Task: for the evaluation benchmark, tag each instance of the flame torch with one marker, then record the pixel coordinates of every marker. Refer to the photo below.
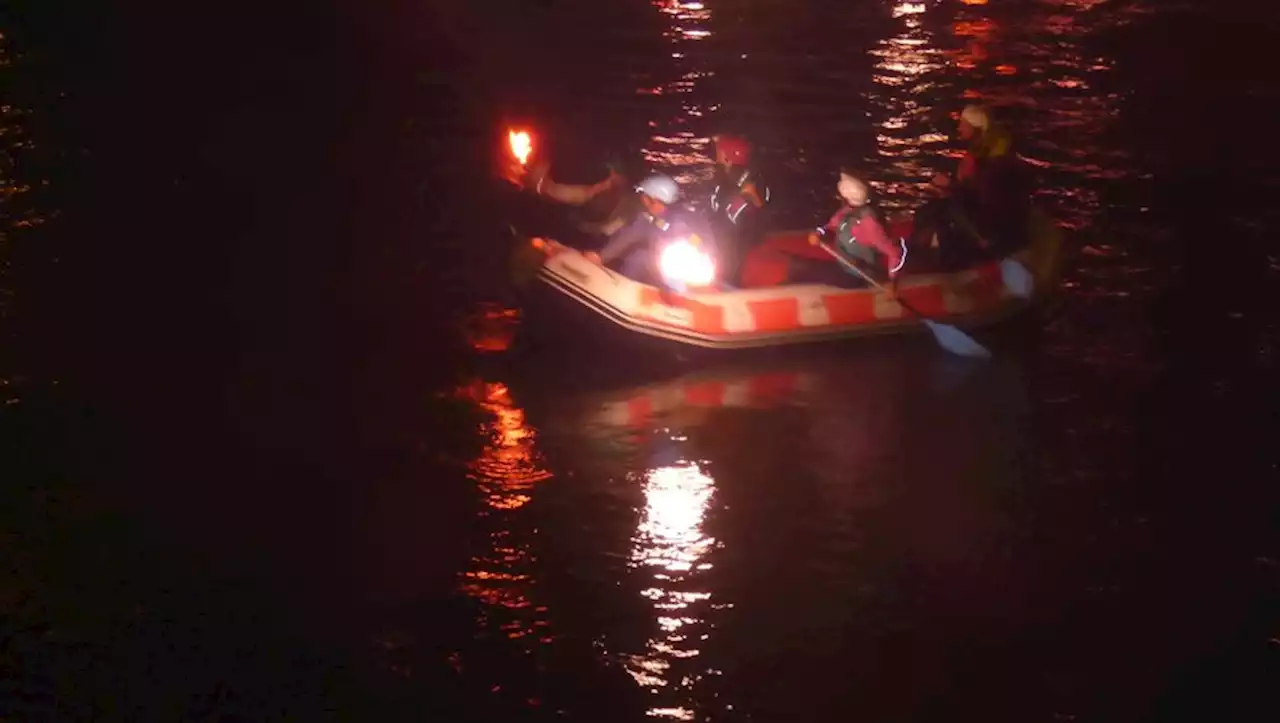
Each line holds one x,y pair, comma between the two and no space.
521,144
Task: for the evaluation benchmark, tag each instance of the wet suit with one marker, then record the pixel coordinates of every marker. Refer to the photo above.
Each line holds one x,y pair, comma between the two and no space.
737,218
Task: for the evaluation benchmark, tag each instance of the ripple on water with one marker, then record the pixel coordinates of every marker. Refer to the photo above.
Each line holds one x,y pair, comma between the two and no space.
807,513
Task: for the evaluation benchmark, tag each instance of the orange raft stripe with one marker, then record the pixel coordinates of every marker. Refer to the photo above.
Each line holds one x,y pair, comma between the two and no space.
987,290
850,308
775,314
704,318
928,300
984,292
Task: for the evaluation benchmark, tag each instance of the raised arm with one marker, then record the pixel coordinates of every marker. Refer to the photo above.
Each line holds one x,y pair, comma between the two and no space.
569,194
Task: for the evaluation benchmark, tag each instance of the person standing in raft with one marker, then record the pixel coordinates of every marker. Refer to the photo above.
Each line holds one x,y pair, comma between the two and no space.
635,243
859,233
984,206
737,203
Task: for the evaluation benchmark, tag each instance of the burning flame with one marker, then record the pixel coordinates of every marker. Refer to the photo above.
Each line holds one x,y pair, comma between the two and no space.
521,145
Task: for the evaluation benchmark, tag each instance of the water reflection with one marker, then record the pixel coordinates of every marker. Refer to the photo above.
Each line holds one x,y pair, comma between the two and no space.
902,97
838,477
20,213
491,328
1045,91
506,472
1055,89
681,140
671,546
691,399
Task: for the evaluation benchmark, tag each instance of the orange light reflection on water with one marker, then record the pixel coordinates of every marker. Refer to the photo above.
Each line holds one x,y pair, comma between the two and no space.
506,472
492,328
508,468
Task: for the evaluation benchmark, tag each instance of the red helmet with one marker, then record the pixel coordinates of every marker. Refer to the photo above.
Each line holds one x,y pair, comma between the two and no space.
733,149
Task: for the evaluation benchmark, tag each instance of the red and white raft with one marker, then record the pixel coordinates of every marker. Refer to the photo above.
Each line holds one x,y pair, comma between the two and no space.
795,313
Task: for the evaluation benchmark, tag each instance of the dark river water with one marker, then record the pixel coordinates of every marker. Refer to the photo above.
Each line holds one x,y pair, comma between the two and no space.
268,453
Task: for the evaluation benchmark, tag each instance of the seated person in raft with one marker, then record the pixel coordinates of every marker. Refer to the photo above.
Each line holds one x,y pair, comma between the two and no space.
984,206
639,241
858,232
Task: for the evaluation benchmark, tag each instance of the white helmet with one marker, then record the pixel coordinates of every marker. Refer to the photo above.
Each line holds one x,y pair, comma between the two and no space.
661,188
975,116
852,189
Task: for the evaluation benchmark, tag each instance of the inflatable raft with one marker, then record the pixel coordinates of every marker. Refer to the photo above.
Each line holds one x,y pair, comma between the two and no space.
790,313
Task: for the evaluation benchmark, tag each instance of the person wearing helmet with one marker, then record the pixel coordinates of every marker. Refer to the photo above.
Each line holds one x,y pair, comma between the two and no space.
858,230
983,208
634,242
739,186
736,203
987,141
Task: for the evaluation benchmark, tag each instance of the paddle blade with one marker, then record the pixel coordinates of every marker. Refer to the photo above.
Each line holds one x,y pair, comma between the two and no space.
1017,279
957,342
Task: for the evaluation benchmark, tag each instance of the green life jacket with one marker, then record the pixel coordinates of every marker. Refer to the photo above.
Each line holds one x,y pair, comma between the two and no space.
849,243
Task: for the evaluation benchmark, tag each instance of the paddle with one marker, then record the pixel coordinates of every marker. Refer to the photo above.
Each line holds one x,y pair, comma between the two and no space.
1018,280
948,337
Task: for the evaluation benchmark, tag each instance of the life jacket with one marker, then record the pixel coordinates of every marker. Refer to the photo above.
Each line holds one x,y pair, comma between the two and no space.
998,192
992,147
849,243
992,143
850,218
729,199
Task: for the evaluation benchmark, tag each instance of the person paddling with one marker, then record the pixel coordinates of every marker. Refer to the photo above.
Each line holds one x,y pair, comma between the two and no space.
860,235
983,206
